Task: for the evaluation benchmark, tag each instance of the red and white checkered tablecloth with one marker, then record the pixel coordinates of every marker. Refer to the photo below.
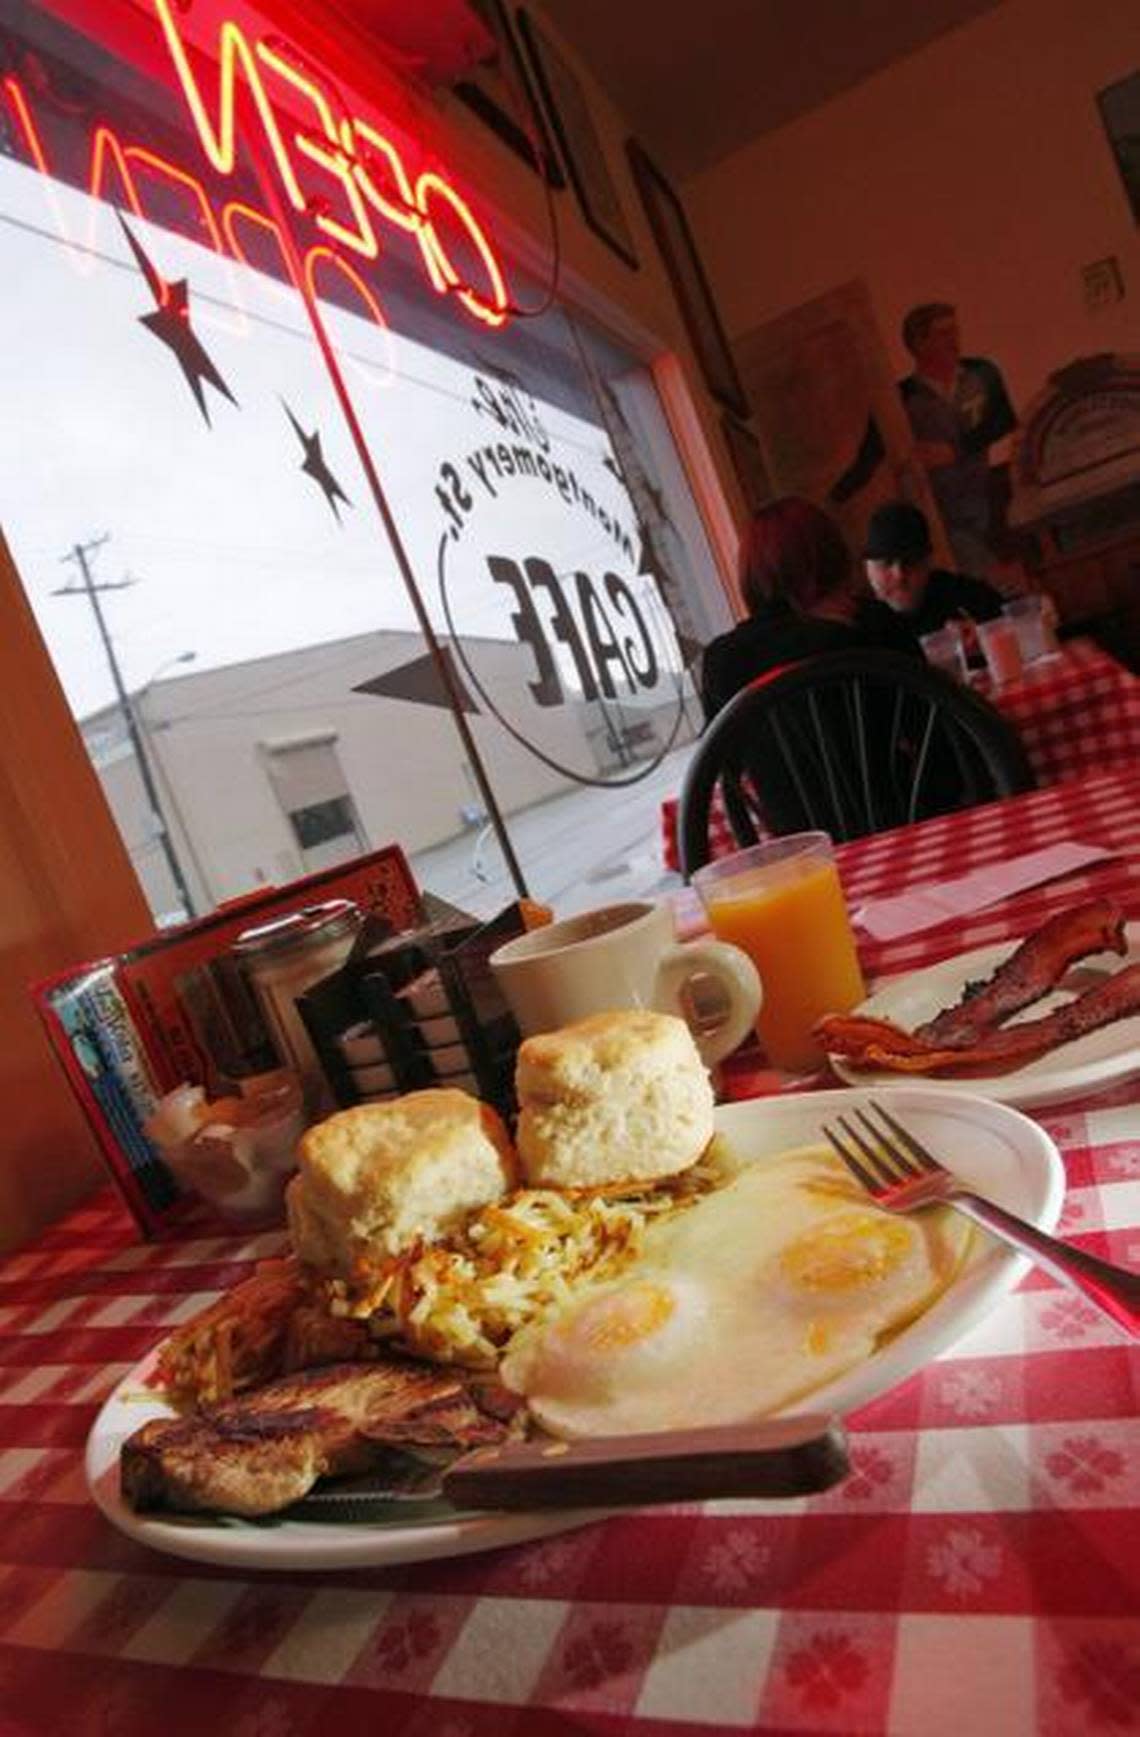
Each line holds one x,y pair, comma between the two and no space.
1076,713
979,1570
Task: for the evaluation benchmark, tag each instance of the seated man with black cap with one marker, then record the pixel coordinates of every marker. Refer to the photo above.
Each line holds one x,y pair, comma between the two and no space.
900,568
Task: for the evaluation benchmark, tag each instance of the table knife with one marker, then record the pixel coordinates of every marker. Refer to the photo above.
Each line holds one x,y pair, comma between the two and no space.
787,1456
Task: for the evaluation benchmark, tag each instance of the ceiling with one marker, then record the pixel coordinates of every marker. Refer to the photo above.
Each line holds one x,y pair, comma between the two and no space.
698,80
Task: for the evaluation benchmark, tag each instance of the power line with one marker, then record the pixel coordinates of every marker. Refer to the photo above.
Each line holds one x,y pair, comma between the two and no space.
80,554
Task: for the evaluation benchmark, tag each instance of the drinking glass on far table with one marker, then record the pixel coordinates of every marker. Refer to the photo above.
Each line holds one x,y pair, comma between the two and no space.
1033,622
1002,647
943,650
781,902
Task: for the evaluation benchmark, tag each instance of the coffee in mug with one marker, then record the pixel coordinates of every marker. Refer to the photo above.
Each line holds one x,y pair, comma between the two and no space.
625,956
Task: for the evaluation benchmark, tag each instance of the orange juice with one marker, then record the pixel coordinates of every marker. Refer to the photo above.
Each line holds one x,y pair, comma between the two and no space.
790,918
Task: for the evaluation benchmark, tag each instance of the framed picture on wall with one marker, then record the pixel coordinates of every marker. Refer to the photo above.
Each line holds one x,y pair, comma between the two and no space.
690,285
747,457
1119,106
500,92
578,140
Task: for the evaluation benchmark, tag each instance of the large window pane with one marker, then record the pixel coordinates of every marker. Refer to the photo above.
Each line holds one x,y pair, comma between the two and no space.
248,469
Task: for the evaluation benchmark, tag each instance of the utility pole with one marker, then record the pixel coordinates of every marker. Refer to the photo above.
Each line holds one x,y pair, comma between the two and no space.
80,554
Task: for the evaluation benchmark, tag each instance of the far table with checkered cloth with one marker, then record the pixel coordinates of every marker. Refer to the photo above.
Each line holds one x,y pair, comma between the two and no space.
978,1572
1076,712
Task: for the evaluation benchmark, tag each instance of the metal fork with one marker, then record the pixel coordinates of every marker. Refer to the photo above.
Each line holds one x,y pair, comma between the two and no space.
900,1175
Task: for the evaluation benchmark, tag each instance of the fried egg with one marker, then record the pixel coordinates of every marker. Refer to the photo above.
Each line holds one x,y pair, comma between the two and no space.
754,1296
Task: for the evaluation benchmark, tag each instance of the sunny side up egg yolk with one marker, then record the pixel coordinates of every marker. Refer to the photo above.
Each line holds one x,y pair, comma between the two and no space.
751,1298
613,1351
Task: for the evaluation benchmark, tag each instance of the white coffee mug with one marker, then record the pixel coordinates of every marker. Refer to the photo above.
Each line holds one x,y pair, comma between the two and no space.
625,956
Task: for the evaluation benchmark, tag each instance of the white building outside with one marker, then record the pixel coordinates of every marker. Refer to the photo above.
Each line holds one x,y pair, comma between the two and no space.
270,769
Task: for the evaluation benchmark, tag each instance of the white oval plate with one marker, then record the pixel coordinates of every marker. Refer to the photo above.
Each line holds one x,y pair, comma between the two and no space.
1101,1059
1002,1153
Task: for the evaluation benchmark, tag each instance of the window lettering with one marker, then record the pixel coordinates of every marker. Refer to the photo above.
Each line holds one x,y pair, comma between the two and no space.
625,604
542,576
577,618
547,690
463,499
604,647
486,402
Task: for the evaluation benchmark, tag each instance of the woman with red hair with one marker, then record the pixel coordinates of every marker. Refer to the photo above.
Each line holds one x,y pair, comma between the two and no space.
804,596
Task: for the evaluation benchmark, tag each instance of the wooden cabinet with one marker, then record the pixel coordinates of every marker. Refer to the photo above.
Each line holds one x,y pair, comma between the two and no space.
1097,591
1075,496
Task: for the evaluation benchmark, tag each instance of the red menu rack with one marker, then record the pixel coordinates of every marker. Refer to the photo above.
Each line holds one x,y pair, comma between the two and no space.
125,1032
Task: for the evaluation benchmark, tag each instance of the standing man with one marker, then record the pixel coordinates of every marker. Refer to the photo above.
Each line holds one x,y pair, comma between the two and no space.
958,407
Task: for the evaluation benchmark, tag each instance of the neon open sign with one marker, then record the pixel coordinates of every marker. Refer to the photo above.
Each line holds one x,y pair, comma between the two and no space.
341,171
352,155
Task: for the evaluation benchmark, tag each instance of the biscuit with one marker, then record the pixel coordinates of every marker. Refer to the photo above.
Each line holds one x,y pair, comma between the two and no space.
374,1179
619,1097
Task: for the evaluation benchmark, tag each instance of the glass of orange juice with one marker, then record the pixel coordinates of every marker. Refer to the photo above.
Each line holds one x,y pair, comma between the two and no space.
781,902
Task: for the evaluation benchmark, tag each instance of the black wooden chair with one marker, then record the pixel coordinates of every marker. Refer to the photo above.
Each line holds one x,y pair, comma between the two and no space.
850,743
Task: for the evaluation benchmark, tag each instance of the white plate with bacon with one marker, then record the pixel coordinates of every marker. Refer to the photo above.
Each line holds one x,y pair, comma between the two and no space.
1029,1023
783,1263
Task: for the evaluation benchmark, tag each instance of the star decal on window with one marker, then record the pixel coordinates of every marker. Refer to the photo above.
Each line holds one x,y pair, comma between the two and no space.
170,324
315,465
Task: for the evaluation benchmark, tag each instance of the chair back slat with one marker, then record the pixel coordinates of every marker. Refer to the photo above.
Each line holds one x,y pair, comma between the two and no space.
848,743
827,766
858,717
921,761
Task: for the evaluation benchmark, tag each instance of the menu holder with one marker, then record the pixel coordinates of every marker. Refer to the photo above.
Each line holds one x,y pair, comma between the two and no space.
481,1009
332,1008
423,1009
358,1026
175,1010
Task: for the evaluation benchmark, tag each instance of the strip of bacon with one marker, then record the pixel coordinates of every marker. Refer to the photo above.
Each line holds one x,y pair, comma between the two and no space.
849,1034
1029,973
996,1052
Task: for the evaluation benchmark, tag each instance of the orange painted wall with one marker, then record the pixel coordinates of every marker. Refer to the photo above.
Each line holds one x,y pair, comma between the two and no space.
67,893
975,171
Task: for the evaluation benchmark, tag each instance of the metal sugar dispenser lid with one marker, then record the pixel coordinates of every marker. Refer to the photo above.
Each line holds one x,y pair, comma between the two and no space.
287,956
334,919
